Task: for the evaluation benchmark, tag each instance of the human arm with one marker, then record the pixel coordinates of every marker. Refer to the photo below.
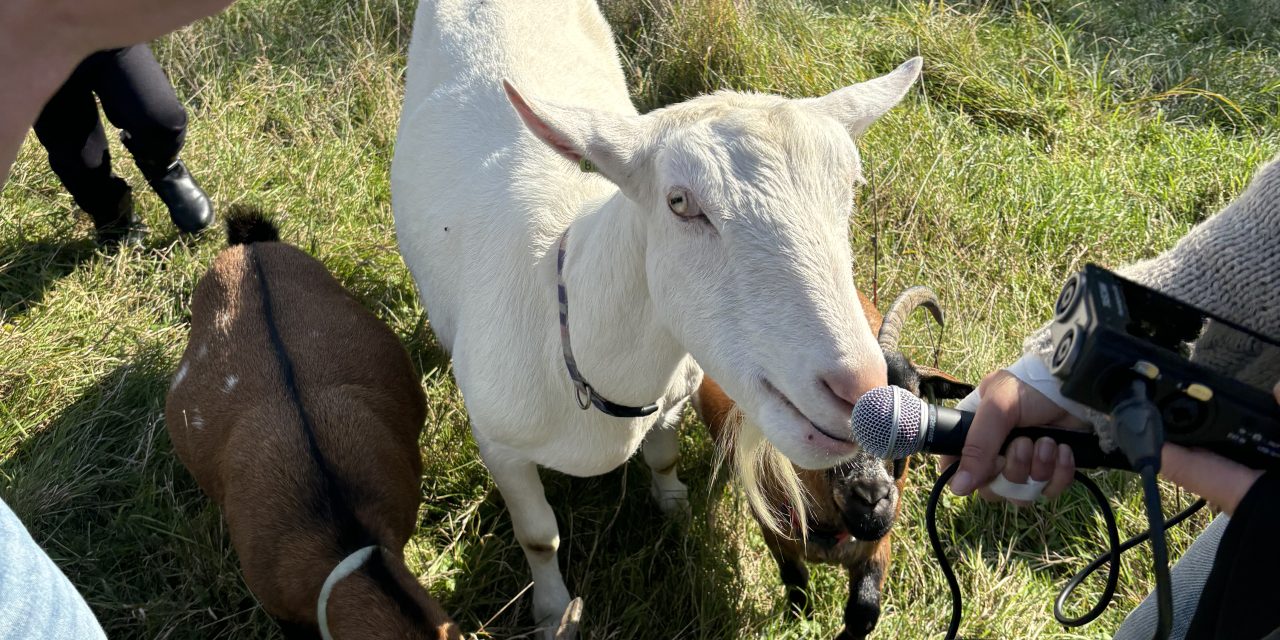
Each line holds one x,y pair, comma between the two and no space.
32,67
41,42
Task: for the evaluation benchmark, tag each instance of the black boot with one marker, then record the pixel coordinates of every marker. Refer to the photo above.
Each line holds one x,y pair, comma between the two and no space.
114,219
188,205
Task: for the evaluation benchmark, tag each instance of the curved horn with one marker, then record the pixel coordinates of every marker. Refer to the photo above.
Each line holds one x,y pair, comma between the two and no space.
901,309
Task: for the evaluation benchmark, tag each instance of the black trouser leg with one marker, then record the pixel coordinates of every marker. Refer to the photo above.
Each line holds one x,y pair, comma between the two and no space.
138,98
69,129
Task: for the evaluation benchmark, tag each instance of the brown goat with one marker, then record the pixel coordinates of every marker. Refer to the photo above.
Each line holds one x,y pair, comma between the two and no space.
298,412
854,504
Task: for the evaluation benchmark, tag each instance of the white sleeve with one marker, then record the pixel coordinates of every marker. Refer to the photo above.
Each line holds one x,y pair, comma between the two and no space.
1030,369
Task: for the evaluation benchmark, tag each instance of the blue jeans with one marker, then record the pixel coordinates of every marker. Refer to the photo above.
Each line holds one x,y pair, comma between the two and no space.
36,599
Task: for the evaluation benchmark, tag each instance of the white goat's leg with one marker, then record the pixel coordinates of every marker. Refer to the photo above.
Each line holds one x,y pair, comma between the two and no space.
661,452
535,527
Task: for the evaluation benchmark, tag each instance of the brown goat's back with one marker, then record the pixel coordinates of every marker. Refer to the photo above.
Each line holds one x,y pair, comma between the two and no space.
287,381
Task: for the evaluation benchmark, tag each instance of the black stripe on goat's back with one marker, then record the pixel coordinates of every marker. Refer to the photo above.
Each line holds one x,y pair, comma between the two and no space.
330,500
247,224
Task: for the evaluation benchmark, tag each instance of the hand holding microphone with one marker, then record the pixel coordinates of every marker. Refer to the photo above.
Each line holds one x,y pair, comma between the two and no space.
1006,404
891,422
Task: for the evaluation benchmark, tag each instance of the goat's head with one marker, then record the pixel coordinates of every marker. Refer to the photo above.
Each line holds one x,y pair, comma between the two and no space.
924,381
863,492
745,202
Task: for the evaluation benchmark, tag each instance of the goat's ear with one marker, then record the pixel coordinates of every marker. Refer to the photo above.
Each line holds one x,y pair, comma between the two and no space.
597,141
857,106
943,386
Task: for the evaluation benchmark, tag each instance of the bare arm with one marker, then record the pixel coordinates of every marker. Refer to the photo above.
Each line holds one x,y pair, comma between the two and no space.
30,72
41,41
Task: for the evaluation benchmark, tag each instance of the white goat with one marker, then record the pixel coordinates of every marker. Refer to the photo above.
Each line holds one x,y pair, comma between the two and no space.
715,230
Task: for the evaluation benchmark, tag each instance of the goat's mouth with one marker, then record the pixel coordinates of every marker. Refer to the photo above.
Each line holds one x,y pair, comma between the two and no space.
829,441
871,524
868,527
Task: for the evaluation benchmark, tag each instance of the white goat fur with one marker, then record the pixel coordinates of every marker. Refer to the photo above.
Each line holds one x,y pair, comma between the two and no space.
760,292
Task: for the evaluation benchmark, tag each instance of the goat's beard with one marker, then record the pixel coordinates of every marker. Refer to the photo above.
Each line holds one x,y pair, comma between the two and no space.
764,475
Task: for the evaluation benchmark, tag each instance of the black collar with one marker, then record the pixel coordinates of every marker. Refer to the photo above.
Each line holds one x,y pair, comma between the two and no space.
586,395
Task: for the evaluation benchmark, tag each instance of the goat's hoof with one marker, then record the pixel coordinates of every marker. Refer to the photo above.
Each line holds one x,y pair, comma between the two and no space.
674,503
859,620
845,634
568,629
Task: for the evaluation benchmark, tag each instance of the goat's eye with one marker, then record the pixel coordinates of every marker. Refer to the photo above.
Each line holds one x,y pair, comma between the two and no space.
681,203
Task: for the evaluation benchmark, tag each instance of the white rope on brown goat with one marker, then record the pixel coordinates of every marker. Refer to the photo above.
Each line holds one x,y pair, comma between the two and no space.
343,569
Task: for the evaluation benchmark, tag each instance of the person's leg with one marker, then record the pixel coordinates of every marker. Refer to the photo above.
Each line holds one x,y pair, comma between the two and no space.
137,97
36,599
1187,577
69,129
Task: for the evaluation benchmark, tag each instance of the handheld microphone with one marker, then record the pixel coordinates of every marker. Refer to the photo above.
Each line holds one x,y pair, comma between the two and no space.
892,423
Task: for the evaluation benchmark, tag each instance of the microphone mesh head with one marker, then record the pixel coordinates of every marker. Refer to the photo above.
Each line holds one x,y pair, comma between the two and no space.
886,422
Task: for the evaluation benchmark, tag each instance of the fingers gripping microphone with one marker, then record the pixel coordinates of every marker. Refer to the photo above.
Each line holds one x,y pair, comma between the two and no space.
892,423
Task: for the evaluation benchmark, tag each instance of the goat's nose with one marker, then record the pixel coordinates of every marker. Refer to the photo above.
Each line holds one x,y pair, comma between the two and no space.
846,385
871,494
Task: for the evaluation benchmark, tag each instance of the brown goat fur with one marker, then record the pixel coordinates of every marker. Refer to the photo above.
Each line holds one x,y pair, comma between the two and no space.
298,412
828,538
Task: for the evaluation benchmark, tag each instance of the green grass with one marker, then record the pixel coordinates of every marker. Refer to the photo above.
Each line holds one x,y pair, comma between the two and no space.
1045,134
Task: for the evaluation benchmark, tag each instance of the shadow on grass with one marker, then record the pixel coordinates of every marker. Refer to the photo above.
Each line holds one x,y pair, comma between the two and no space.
29,269
640,573
1057,538
100,490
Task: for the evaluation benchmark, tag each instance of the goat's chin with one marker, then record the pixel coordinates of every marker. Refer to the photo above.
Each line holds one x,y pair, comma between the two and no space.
869,526
870,530
798,439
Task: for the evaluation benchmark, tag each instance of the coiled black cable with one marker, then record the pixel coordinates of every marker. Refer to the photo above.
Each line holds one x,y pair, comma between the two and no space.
1100,560
1111,556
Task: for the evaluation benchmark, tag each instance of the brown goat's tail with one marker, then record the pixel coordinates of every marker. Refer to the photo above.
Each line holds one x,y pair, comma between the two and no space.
248,224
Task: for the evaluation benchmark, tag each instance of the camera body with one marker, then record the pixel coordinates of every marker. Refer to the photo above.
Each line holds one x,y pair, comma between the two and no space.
1109,331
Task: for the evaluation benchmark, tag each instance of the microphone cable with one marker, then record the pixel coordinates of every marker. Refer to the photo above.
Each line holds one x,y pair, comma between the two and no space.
1082,575
1157,525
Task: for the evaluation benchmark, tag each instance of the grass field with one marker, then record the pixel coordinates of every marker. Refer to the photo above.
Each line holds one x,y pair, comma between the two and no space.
1045,133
